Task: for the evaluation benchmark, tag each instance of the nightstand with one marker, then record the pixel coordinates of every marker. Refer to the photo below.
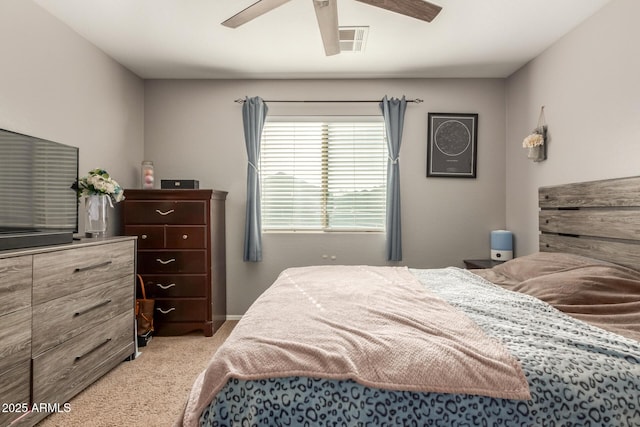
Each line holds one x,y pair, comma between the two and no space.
480,263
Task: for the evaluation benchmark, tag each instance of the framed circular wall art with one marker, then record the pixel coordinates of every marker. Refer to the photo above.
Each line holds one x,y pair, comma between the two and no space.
452,145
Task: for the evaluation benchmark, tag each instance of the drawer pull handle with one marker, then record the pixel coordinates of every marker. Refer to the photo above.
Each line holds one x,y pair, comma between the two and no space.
105,342
91,267
165,311
161,286
144,237
163,262
93,307
185,237
165,213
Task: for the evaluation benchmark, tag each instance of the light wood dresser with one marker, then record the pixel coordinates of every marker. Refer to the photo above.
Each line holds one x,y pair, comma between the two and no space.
181,255
66,319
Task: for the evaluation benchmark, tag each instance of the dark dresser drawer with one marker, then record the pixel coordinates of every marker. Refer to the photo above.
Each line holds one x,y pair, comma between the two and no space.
149,236
177,285
165,212
186,261
169,236
183,310
186,237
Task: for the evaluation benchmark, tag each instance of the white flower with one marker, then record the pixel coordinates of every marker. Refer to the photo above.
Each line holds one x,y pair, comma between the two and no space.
533,140
98,182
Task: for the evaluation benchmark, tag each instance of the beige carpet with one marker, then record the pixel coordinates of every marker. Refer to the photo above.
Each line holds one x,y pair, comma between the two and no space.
148,391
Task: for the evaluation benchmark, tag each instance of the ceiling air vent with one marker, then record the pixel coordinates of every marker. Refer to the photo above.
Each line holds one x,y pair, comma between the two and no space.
353,39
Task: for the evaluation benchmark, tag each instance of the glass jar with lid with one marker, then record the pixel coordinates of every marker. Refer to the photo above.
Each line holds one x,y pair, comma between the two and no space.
146,175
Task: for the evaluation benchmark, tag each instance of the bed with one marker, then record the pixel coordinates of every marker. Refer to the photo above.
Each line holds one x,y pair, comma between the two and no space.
551,338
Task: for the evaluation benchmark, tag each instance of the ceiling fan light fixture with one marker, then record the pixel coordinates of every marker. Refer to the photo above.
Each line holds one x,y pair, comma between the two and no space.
353,39
327,16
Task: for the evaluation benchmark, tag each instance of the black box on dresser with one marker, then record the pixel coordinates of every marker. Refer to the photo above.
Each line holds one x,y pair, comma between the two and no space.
179,184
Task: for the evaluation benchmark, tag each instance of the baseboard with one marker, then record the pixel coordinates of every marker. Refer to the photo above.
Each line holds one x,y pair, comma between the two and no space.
234,316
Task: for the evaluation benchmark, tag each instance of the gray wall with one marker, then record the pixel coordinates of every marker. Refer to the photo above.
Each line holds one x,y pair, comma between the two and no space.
55,85
588,83
193,129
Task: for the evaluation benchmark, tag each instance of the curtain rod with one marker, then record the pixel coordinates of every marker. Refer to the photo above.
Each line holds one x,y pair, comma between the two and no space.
417,101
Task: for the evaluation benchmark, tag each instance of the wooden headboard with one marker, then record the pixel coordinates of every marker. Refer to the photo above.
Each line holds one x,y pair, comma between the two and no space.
598,219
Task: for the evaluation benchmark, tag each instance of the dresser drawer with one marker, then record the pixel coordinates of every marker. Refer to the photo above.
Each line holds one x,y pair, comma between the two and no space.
149,236
171,286
168,236
14,389
60,273
187,310
68,368
165,212
187,261
15,283
186,237
58,320
15,338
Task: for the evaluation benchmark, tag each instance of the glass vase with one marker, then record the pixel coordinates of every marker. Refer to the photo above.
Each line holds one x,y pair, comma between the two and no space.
536,153
95,222
146,175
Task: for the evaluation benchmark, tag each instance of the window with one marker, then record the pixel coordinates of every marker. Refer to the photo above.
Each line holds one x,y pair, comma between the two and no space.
327,175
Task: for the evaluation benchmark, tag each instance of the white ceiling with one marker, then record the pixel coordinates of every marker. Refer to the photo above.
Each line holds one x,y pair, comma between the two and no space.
184,38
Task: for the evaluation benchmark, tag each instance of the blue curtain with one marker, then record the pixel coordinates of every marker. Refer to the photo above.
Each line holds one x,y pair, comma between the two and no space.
393,111
254,112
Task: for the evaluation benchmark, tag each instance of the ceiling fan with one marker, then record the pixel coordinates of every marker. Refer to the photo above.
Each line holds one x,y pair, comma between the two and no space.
327,14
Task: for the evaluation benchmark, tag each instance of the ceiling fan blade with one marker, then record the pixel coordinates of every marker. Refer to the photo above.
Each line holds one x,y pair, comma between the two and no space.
327,14
418,9
258,8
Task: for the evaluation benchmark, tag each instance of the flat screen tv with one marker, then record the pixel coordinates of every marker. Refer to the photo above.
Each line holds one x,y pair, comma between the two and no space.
38,205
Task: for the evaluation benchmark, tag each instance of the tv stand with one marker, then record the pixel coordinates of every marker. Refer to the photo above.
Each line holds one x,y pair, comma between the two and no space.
66,319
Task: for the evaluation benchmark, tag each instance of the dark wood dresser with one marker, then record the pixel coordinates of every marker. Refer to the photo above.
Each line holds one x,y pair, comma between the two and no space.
181,256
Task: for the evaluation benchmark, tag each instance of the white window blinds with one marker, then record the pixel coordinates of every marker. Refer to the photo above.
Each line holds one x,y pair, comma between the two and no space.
323,175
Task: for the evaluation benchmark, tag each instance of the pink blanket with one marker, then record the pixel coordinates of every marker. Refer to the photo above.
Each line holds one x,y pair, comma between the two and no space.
378,326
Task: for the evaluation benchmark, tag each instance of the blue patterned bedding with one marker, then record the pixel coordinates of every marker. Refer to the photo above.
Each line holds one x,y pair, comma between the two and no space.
578,375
